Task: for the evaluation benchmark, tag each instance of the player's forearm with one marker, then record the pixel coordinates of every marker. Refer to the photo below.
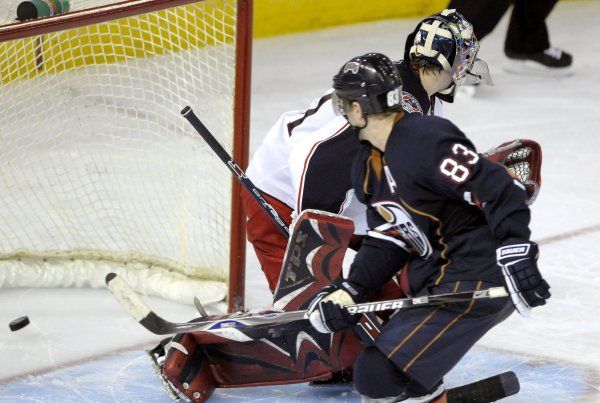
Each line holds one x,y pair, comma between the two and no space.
376,262
503,202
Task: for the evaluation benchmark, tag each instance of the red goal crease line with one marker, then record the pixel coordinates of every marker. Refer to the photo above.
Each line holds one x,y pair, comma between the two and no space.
569,234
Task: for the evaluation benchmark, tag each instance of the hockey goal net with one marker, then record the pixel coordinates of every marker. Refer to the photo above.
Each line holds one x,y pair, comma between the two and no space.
98,170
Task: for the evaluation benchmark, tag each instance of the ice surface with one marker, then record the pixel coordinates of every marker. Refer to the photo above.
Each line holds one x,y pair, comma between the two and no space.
555,353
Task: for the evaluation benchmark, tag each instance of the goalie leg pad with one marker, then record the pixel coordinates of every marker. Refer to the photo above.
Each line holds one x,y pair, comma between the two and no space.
298,355
266,238
313,257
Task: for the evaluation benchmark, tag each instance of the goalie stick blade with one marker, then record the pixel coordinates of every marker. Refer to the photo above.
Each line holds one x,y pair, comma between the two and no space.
127,297
486,390
132,303
227,326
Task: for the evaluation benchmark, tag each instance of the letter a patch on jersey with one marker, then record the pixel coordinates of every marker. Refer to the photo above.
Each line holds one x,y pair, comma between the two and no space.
390,179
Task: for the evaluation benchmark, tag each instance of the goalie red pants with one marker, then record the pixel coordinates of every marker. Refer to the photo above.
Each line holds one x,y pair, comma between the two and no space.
268,241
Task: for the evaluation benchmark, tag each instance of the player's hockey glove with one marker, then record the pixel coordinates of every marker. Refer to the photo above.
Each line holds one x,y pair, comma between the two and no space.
525,284
326,311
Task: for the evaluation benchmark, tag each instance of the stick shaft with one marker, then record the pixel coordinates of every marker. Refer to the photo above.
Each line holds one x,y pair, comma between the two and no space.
394,304
224,156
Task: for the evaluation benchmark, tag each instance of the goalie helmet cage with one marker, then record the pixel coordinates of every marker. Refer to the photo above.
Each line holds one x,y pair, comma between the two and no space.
98,170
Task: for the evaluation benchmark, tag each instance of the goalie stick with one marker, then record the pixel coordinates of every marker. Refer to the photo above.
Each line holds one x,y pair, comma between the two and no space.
212,142
225,324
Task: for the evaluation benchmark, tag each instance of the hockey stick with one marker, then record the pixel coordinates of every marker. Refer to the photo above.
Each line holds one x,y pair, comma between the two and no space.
485,390
222,324
212,142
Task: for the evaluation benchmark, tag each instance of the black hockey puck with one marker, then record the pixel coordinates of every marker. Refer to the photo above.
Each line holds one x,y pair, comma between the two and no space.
19,323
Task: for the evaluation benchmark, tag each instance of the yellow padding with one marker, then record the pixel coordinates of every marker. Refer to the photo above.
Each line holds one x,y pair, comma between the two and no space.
276,17
196,25
142,36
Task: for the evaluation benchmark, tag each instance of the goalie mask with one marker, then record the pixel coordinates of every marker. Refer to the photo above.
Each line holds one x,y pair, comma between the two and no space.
372,80
447,39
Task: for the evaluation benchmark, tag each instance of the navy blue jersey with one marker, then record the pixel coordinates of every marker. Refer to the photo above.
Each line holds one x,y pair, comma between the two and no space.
421,197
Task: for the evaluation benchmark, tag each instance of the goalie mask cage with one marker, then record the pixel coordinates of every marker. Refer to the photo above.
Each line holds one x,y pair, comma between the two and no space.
98,170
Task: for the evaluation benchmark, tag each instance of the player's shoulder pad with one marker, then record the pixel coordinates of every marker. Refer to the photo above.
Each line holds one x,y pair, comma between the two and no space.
420,141
438,127
423,134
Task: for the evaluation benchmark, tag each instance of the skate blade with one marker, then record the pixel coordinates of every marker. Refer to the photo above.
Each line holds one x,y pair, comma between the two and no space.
173,393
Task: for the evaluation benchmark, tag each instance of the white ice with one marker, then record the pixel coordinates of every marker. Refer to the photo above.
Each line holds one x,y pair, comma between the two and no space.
555,352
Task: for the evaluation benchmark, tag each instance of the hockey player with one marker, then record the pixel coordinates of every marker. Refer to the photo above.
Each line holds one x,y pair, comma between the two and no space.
419,177
304,161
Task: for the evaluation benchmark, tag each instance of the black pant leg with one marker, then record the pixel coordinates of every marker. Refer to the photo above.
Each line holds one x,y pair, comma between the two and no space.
483,14
527,31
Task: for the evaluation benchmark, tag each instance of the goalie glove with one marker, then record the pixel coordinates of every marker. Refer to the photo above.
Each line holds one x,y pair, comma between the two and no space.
527,288
326,311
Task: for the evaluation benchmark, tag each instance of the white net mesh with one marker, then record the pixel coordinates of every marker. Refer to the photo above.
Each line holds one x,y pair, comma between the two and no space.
98,170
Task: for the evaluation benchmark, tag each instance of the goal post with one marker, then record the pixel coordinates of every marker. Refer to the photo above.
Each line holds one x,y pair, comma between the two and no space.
99,172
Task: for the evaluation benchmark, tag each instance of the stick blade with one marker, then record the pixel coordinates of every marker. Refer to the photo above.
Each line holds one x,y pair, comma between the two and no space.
510,383
127,297
486,390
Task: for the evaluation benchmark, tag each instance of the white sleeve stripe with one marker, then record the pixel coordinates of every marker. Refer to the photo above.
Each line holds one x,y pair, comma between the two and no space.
309,112
379,235
519,184
468,196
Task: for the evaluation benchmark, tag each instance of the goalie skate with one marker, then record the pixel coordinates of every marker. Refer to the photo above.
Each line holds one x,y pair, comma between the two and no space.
158,357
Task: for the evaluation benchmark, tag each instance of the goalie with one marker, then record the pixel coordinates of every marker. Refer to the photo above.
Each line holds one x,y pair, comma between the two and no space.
304,164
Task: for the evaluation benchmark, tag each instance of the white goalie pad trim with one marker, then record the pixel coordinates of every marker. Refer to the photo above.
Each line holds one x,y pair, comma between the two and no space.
309,259
275,346
176,346
347,262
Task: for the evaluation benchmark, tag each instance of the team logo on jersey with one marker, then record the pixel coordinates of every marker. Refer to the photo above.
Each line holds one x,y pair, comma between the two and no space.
410,103
401,221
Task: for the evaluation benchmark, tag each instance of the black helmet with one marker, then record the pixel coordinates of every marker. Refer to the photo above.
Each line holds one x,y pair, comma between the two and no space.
372,80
